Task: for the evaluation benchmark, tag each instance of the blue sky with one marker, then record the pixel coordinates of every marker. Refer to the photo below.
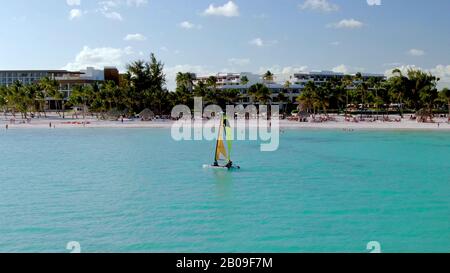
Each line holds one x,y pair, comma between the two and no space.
207,36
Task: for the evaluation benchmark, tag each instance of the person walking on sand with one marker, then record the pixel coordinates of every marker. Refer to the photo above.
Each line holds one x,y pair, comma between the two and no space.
7,127
50,125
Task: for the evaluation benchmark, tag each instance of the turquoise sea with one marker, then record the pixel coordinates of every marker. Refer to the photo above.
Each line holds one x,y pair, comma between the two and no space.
137,190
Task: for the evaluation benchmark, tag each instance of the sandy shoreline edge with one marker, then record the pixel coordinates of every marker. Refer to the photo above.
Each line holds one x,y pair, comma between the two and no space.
283,124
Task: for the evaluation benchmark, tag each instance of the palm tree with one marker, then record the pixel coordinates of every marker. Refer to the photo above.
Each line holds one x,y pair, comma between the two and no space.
324,94
260,93
31,92
51,89
346,84
185,79
362,91
244,80
268,77
212,96
229,96
138,75
82,96
306,101
211,82
200,89
422,87
15,97
3,99
445,93
283,100
145,78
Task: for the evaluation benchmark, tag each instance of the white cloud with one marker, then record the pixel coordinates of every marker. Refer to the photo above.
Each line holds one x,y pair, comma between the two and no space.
186,25
105,5
100,57
189,25
73,2
257,42
113,15
238,61
108,9
347,23
336,43
319,5
261,43
137,3
230,9
442,72
75,13
340,69
118,3
374,2
416,52
135,37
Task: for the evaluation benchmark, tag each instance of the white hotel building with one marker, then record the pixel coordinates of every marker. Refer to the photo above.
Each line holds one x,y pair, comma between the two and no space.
297,82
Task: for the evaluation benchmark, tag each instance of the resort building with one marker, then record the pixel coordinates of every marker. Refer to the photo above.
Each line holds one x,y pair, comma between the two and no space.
322,77
66,79
291,88
230,79
236,81
8,77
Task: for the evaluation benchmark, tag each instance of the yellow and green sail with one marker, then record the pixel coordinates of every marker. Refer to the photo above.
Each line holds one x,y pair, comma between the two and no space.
225,135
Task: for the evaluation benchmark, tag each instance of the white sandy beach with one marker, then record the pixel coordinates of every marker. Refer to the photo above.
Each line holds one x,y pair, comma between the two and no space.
56,122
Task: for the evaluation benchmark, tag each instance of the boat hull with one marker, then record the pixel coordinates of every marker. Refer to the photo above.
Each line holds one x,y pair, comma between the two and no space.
220,167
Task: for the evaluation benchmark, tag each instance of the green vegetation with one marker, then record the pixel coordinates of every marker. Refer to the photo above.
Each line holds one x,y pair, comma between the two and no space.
143,87
415,92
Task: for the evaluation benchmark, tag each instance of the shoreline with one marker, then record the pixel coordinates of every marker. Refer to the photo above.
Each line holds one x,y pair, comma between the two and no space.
404,125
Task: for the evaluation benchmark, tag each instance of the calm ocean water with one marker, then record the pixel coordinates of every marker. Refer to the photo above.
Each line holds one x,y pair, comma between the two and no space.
136,190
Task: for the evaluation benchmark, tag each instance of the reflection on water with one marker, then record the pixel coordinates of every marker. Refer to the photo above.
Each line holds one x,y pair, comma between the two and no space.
223,180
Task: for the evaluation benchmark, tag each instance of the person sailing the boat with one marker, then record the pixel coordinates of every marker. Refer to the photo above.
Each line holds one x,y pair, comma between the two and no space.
229,164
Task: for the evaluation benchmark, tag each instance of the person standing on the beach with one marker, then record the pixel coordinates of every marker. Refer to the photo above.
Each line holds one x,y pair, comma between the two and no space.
7,127
50,125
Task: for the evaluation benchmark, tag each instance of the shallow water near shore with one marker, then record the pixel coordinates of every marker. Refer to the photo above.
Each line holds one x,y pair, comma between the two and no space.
137,190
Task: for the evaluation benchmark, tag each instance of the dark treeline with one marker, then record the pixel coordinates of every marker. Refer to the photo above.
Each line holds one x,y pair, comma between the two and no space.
143,86
415,92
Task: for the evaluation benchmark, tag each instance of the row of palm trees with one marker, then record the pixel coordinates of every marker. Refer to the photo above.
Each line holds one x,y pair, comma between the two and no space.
143,86
416,91
31,98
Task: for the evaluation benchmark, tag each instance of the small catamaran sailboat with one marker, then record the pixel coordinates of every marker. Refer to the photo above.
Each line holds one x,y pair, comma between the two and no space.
222,155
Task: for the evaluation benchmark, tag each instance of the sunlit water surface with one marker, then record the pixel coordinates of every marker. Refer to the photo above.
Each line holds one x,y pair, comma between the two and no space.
137,190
